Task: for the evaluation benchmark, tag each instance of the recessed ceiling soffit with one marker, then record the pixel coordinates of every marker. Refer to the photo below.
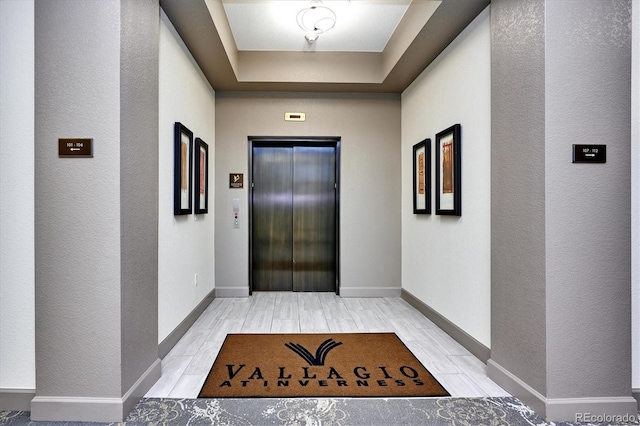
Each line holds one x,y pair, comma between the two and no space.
235,55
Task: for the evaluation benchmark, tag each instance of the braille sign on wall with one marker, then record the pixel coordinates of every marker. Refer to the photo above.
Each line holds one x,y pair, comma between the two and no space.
589,153
75,147
235,180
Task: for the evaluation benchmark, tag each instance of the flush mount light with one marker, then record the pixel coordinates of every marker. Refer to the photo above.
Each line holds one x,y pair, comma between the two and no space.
316,19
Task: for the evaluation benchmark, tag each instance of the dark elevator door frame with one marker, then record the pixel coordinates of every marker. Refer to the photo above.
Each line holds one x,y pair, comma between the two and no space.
290,142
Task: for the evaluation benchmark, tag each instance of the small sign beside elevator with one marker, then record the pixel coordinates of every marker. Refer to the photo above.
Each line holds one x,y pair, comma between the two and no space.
236,180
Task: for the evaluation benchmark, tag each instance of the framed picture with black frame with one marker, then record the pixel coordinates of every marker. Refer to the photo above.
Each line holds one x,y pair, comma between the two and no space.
183,157
201,204
448,172
422,177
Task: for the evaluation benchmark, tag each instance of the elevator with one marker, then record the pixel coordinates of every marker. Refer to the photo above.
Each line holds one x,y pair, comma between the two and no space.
294,222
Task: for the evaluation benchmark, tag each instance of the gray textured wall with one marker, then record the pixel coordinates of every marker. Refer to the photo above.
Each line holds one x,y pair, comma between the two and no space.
588,207
96,218
140,31
518,306
561,272
77,201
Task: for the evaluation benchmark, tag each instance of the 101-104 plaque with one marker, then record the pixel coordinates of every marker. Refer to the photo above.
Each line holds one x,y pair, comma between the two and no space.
75,147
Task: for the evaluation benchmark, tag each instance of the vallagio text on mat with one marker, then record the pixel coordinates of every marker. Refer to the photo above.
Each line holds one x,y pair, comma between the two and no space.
323,376
322,365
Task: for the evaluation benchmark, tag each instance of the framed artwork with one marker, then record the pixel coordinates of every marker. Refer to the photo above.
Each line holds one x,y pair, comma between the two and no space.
422,177
201,177
182,193
448,173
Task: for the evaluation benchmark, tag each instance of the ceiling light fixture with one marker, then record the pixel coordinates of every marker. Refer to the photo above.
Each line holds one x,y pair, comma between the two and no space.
315,20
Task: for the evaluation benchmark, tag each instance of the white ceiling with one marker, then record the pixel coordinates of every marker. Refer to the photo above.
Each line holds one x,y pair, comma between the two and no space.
270,25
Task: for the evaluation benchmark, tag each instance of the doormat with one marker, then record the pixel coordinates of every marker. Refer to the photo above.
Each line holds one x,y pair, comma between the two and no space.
318,365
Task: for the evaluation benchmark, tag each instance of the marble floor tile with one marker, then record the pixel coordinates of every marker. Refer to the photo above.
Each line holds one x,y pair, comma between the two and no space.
461,385
172,369
431,357
368,321
285,326
201,362
340,325
224,327
286,307
445,342
188,386
190,342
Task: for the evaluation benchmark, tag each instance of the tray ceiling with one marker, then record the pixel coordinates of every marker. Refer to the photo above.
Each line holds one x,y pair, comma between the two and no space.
375,45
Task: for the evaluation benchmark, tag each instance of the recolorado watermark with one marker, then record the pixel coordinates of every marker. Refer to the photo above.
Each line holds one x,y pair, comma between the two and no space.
606,418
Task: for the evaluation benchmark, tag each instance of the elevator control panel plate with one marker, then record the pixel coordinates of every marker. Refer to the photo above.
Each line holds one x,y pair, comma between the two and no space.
236,211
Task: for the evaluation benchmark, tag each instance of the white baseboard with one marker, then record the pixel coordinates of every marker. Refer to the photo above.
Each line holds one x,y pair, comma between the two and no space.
172,339
61,408
16,399
609,409
459,335
86,409
370,291
141,387
516,387
612,410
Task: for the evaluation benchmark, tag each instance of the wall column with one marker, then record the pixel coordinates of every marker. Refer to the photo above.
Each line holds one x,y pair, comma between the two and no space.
96,252
561,274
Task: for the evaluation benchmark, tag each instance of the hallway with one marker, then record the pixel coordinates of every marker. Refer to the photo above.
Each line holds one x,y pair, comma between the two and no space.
184,369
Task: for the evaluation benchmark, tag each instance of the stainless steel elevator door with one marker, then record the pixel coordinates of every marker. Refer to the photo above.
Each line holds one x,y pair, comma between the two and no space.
272,219
294,218
314,218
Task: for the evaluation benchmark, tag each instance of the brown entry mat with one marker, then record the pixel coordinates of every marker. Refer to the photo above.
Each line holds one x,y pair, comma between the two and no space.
317,365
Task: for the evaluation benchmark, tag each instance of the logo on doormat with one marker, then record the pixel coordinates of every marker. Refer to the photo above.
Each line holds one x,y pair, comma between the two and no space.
321,352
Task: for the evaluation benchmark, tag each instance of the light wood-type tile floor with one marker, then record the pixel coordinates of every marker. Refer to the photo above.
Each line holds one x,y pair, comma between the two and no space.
185,368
